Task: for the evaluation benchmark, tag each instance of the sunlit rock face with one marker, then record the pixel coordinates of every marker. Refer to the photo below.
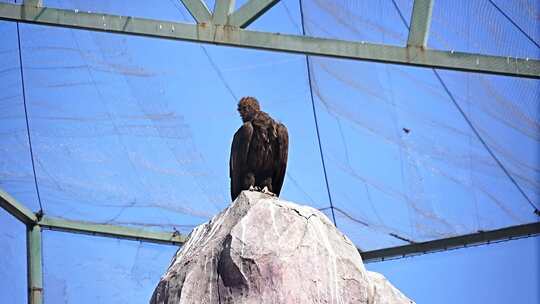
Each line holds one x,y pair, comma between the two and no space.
265,250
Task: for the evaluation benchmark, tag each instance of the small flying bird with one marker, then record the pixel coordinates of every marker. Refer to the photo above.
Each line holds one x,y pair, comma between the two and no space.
259,151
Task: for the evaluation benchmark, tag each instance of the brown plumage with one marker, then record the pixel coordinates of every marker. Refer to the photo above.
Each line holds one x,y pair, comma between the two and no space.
258,152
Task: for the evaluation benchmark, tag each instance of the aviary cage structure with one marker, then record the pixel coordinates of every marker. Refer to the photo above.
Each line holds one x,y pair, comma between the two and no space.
116,121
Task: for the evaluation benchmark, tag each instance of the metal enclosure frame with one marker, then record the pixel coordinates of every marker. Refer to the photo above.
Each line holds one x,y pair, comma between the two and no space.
225,26
35,223
221,30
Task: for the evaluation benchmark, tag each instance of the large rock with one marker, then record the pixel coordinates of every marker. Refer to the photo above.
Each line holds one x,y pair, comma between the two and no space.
265,250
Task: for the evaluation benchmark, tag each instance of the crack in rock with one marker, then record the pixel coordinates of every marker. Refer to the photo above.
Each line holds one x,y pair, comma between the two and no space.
229,272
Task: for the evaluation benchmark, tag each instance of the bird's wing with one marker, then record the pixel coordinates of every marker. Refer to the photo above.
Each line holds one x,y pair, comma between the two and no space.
239,154
280,163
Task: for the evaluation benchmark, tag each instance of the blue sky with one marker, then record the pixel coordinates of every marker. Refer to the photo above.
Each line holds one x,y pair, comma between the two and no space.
137,131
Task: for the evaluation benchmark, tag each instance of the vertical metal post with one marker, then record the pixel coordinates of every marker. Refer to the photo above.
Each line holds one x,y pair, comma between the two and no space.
222,10
420,22
38,3
35,272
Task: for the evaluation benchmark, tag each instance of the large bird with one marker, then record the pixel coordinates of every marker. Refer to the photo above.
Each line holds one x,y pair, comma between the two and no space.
259,151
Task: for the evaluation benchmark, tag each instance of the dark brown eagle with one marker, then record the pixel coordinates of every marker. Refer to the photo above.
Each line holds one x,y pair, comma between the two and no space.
259,151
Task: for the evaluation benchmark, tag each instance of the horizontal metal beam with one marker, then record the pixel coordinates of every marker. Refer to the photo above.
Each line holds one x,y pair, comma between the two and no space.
477,238
174,238
234,36
16,209
367,256
250,11
26,216
105,230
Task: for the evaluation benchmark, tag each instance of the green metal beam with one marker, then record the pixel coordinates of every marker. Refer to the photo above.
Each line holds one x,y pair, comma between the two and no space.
16,209
111,231
174,238
198,9
26,216
34,271
222,10
420,22
234,36
250,11
481,237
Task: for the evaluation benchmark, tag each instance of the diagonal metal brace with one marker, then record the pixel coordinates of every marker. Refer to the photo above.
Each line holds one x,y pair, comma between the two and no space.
198,9
16,209
250,11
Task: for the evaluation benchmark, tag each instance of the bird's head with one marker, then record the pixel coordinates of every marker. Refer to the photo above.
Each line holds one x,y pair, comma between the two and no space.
248,107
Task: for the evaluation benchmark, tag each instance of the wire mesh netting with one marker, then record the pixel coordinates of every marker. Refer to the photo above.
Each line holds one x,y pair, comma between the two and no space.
95,277
443,140
147,119
502,28
367,21
134,131
12,260
439,167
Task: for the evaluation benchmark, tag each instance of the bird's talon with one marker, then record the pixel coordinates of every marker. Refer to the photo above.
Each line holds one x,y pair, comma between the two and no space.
254,188
267,192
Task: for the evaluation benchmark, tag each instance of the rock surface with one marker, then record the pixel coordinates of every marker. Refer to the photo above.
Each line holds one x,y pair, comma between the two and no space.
265,250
